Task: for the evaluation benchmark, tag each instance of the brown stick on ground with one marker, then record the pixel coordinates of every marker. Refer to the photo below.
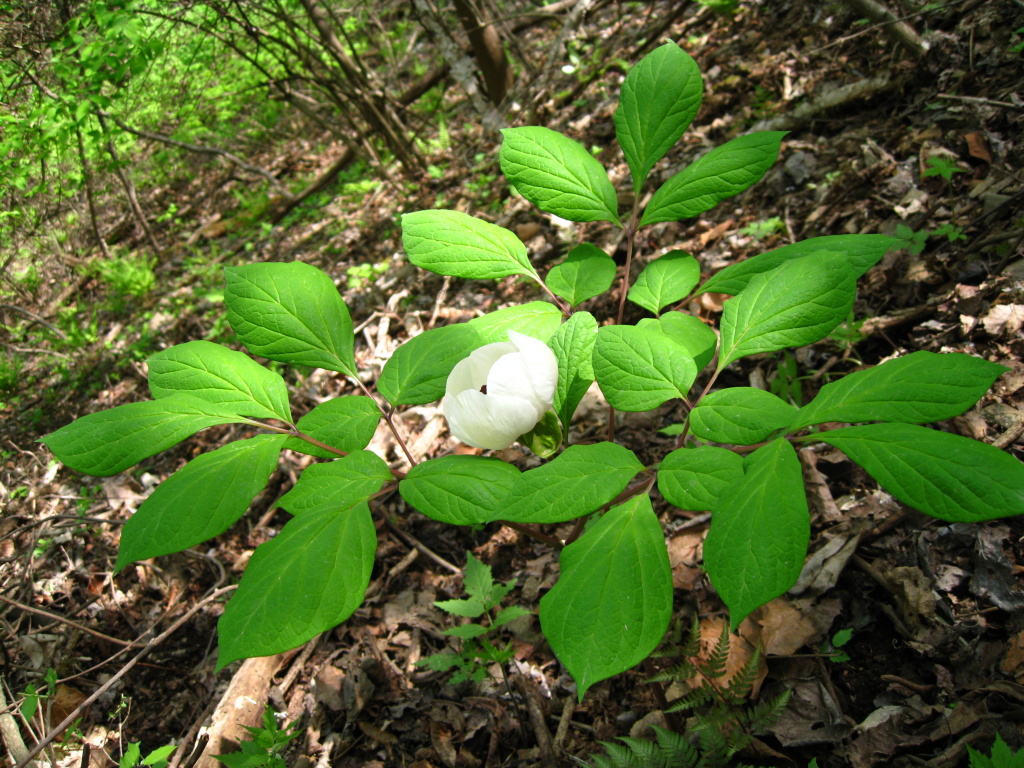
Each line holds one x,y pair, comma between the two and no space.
899,31
535,708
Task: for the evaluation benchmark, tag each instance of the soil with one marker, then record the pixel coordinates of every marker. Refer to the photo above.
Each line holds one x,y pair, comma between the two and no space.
934,660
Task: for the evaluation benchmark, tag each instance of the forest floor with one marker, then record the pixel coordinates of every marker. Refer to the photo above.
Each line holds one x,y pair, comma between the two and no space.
935,612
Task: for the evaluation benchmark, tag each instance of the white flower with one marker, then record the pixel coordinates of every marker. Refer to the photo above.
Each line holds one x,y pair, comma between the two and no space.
500,391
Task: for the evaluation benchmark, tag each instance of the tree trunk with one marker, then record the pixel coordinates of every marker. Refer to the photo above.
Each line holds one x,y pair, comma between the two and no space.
488,51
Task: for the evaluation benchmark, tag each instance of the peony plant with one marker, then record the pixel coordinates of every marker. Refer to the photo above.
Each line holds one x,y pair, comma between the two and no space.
520,373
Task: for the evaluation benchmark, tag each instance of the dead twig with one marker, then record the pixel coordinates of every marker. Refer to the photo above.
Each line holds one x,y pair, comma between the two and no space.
77,712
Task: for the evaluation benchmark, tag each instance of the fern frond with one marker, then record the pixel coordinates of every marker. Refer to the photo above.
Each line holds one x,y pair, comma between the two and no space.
743,681
645,752
693,698
714,666
676,750
757,718
680,673
622,756
691,647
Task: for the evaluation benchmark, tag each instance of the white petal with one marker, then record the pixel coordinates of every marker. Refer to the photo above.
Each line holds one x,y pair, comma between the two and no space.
541,364
488,421
471,372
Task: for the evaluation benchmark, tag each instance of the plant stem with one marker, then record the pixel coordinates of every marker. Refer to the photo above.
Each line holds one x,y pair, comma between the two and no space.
630,238
389,421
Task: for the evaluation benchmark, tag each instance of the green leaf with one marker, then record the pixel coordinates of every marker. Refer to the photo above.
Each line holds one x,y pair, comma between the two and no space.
741,416
658,102
291,313
107,442
511,613
201,500
477,580
222,376
537,319
132,755
665,281
586,272
862,252
796,304
723,172
557,174
546,436
916,389
466,631
573,345
418,370
461,490
460,245
699,340
346,423
581,480
311,577
613,600
946,476
336,485
641,367
693,478
760,529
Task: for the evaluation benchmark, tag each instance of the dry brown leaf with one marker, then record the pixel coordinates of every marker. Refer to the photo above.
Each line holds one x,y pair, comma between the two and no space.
1004,318
978,147
685,552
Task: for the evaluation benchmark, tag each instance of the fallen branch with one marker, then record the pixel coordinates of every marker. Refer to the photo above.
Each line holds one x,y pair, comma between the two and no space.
838,97
895,27
197,148
77,712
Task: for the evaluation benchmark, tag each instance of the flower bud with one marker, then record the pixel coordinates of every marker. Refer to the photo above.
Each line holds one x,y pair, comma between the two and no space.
500,391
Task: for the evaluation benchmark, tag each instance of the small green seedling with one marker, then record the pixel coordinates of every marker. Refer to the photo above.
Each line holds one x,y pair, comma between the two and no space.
941,166
762,230
265,747
132,756
911,240
477,650
834,648
1000,757
951,232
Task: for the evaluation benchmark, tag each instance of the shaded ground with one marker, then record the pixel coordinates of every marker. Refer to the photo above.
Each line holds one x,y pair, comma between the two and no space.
935,610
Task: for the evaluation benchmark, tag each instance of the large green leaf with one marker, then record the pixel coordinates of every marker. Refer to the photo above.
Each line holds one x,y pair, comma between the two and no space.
723,172
760,529
916,389
665,281
641,367
586,272
309,578
862,252
107,442
557,174
580,480
612,603
573,345
797,303
336,485
659,99
698,339
346,423
946,476
291,313
201,500
460,245
461,490
741,416
693,478
219,375
418,370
